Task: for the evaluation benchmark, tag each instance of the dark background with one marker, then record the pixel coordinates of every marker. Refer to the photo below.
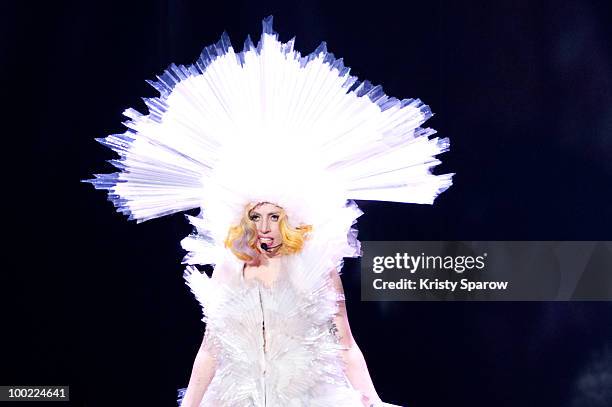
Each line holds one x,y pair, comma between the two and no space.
522,88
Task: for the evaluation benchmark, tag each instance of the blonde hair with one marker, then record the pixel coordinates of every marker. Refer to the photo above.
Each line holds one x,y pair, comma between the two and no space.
242,238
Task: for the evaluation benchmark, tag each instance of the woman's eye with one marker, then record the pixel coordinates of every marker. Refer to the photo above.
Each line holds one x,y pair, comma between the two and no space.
275,217
254,218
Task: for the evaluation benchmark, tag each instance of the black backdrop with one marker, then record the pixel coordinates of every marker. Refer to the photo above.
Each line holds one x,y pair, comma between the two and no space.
522,88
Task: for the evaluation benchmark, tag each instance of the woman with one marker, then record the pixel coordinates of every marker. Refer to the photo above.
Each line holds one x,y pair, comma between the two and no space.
278,345
272,146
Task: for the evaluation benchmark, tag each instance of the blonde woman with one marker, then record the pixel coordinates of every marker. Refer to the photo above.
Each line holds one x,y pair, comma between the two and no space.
273,147
272,339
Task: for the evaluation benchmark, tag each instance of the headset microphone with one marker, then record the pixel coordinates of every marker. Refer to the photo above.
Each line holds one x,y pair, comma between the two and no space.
264,246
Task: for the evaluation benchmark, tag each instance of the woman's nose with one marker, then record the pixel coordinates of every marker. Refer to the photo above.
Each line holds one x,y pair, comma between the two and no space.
264,226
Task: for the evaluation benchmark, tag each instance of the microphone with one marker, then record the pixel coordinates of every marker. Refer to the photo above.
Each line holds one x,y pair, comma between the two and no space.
267,248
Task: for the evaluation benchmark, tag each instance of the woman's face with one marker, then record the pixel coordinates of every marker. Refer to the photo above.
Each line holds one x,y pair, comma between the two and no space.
266,217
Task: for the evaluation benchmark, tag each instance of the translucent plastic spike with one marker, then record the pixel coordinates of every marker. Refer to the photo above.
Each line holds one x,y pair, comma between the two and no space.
155,105
181,72
248,44
350,82
132,113
329,58
267,25
389,103
321,49
160,87
208,55
354,85
117,164
339,65
376,93
193,70
288,47
224,44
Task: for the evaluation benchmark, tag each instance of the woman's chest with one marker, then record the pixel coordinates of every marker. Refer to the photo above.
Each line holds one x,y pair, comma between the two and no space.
263,275
282,309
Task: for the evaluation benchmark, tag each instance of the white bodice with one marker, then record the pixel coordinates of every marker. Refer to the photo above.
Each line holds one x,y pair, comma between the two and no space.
275,345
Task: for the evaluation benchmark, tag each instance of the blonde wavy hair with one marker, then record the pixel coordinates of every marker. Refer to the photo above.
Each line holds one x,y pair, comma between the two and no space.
242,238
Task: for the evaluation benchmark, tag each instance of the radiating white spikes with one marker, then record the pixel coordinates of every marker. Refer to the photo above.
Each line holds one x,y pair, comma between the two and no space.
322,139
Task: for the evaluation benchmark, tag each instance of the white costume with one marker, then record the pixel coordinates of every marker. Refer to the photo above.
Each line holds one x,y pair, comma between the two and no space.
329,139
276,346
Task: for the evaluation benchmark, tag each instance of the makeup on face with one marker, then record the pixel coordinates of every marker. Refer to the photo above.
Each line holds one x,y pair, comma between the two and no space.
266,218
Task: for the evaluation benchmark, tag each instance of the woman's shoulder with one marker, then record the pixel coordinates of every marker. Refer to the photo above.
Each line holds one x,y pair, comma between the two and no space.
228,270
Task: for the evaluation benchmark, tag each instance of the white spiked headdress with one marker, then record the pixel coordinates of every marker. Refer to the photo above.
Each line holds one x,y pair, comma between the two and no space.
268,125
